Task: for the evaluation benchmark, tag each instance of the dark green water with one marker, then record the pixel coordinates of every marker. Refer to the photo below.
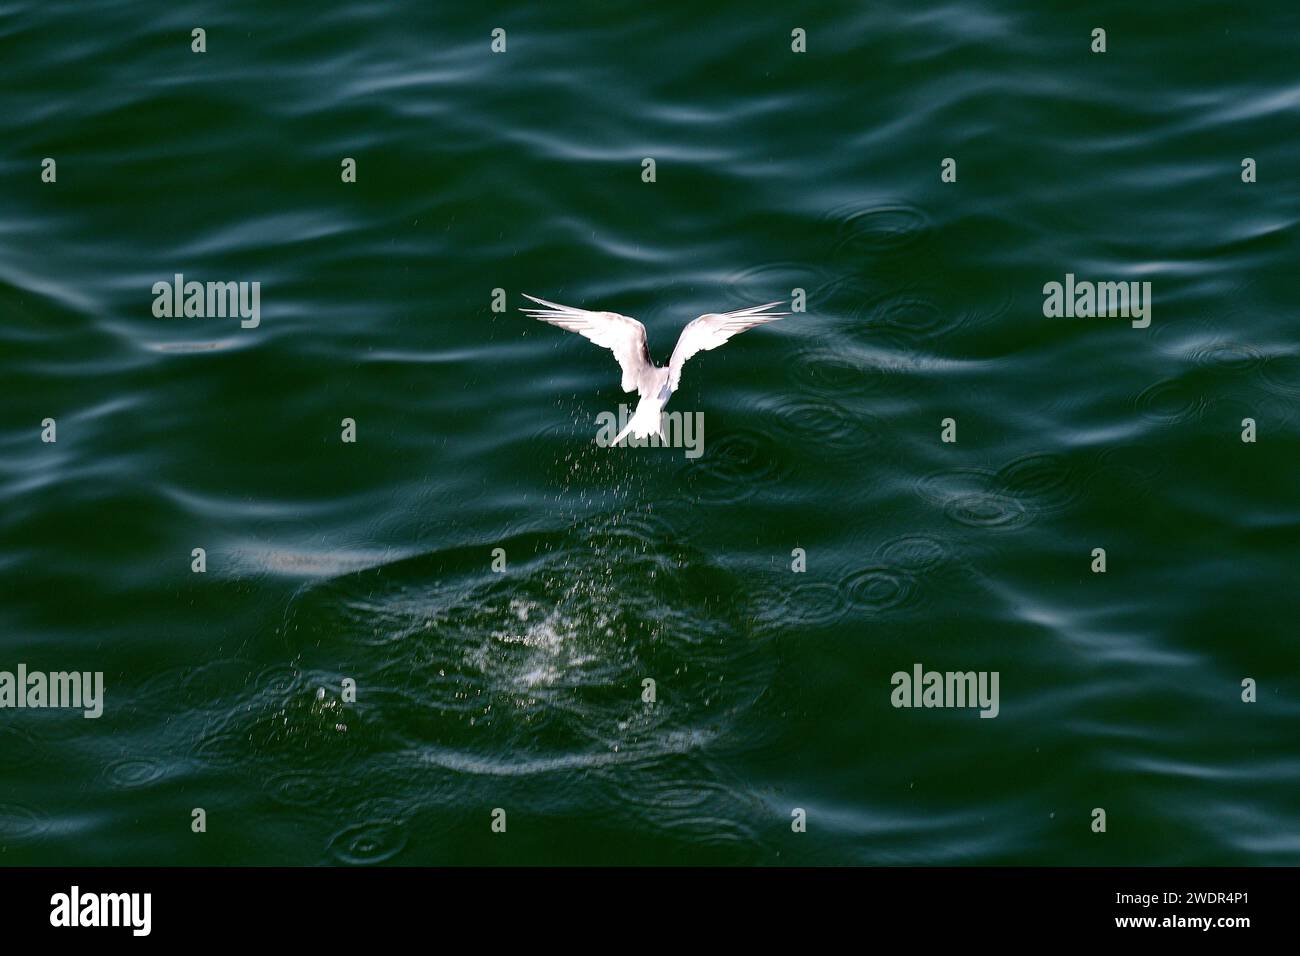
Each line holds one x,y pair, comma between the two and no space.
774,171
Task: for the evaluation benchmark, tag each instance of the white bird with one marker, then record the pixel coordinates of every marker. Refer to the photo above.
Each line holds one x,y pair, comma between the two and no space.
626,338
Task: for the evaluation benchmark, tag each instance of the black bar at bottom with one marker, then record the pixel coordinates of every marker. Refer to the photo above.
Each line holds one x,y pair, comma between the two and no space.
335,906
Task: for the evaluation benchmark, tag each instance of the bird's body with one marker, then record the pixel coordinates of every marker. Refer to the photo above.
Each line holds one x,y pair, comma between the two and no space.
626,338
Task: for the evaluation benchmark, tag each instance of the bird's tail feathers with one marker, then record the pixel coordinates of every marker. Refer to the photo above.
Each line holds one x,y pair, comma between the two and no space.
646,421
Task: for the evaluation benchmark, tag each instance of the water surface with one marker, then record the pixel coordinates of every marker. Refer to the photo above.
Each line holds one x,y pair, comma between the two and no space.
523,690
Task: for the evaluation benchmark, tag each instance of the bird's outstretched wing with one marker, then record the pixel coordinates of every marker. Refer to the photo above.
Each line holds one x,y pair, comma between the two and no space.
621,334
713,329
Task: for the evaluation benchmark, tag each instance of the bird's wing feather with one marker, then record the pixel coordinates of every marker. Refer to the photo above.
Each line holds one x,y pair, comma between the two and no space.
713,329
621,334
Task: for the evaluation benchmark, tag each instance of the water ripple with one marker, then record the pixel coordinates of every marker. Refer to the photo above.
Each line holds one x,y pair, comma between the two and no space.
799,606
1281,373
20,824
368,843
910,314
735,466
876,227
880,588
831,428
1172,401
775,280
916,553
130,773
1042,482
987,510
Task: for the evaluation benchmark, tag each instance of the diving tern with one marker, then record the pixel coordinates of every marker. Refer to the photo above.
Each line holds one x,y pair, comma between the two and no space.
626,338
